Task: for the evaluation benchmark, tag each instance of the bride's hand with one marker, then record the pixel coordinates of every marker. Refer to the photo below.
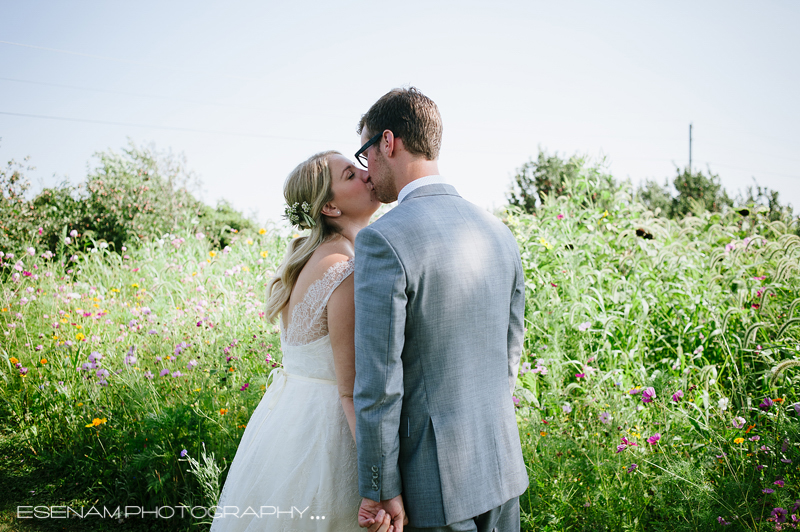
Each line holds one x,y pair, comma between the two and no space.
372,516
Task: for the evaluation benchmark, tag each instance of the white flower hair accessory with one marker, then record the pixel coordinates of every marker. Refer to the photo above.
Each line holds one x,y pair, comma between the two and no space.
299,214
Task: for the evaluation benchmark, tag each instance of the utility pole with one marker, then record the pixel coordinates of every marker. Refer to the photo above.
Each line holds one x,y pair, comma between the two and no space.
690,147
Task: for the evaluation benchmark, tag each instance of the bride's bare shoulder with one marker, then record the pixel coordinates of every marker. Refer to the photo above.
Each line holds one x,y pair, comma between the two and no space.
327,255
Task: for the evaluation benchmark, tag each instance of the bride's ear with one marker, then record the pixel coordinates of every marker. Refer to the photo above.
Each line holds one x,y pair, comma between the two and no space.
331,211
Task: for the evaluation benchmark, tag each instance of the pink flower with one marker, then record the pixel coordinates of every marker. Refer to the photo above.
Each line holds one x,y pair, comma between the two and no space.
738,422
560,217
584,326
778,483
580,375
677,396
648,395
516,400
654,438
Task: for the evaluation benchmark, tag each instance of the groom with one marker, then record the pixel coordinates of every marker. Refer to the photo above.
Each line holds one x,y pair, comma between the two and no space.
440,300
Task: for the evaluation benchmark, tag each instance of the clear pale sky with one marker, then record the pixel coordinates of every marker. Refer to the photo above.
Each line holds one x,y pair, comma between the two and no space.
248,89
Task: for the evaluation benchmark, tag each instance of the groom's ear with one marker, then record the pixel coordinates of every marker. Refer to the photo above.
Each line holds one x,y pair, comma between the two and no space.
388,143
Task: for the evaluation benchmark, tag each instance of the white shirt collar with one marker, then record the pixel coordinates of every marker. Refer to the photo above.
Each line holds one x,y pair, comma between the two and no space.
421,182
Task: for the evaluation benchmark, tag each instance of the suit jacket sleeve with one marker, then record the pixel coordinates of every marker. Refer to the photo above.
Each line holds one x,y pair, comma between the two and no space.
516,322
380,298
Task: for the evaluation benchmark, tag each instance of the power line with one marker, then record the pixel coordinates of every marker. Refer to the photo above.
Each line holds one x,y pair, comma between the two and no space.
126,61
172,128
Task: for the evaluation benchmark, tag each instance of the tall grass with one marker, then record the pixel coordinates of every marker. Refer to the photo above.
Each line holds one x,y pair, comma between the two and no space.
133,373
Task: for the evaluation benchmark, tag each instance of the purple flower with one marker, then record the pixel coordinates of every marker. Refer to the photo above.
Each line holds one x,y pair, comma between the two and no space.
635,391
768,491
526,367
677,396
648,395
654,438
755,438
23,370
796,408
94,357
580,375
244,387
184,453
567,408
605,417
191,365
778,483
164,372
516,400
102,373
177,374
148,375
796,506
738,422
152,331
722,521
583,327
766,404
780,515
87,366
760,467
721,456
130,360
632,467
786,460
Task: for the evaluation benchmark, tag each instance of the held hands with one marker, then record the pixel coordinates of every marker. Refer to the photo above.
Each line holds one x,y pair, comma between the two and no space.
384,516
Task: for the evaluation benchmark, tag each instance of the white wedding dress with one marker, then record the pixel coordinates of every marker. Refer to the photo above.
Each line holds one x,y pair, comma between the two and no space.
295,468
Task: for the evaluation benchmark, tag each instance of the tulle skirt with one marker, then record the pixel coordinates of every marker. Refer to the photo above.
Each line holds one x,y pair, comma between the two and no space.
295,468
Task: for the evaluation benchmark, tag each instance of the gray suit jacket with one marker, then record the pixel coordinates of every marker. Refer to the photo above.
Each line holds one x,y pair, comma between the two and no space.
440,299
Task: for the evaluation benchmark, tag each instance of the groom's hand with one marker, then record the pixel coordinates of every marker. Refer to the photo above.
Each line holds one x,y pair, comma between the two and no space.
389,515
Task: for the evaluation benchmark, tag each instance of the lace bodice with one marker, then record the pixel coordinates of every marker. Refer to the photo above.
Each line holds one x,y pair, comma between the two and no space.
309,320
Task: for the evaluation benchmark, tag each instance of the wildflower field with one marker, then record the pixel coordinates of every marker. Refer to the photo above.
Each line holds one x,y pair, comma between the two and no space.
658,388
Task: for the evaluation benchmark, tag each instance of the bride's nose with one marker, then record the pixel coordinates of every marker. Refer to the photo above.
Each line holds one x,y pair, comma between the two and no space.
364,176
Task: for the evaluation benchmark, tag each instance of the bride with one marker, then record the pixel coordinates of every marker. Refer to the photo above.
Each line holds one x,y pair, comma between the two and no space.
295,468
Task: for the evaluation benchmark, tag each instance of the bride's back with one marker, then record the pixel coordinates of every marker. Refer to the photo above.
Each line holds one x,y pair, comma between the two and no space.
304,318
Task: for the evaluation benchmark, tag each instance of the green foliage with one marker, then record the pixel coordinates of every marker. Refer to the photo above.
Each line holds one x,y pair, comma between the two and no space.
136,195
619,301
16,218
542,178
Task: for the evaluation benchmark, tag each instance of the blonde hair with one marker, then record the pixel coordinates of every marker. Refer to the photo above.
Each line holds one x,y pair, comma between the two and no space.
310,182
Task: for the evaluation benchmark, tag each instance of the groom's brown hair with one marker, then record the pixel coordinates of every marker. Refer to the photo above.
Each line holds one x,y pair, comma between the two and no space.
409,115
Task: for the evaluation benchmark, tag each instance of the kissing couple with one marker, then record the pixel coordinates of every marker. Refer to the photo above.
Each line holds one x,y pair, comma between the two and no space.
401,343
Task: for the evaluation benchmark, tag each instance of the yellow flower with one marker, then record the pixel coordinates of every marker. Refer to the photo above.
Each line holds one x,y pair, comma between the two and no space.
223,411
79,336
43,361
212,254
95,305
5,309
197,389
264,253
64,320
95,299
542,434
194,273
738,440
295,235
262,231
135,285
13,360
230,369
96,422
80,404
78,326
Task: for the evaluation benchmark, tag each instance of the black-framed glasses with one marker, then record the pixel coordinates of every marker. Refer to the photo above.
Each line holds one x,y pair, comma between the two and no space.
361,157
